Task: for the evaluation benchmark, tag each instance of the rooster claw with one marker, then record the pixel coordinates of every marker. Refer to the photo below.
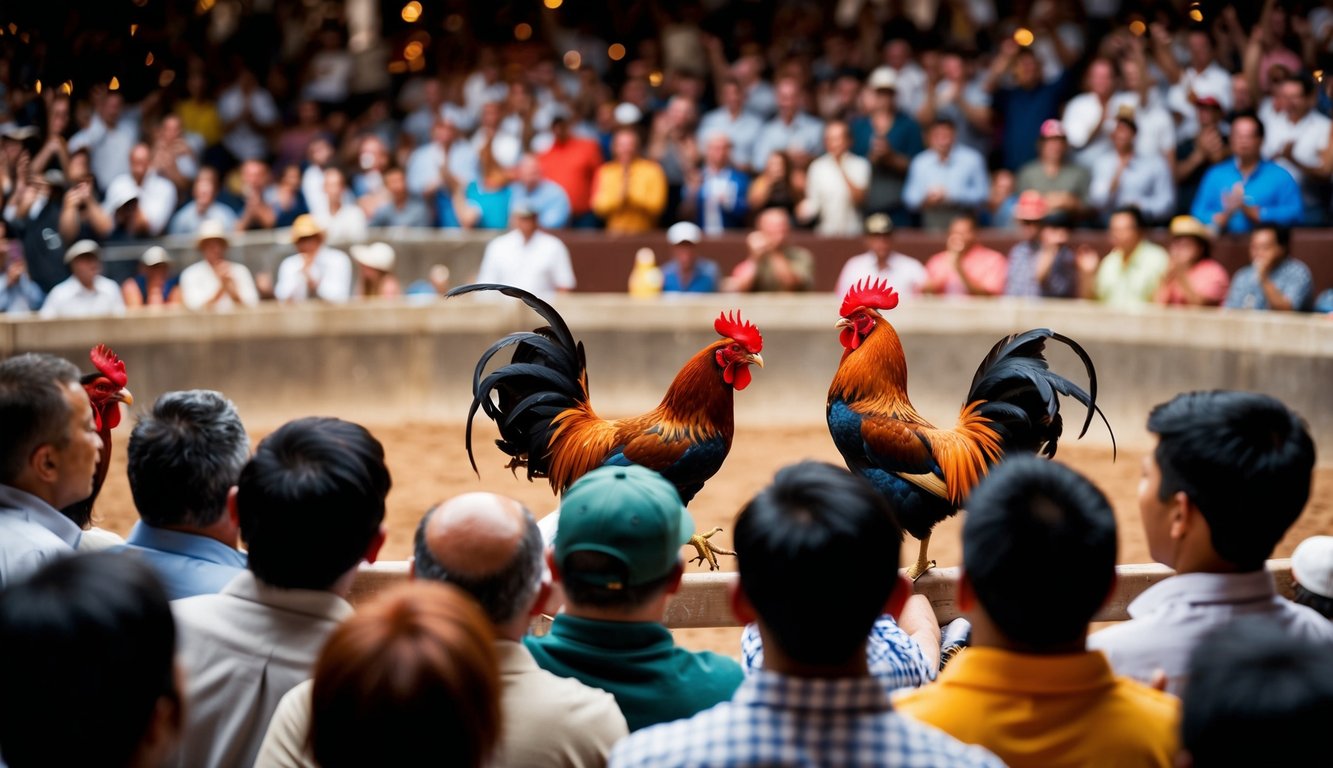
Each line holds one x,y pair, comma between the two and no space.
707,550
917,570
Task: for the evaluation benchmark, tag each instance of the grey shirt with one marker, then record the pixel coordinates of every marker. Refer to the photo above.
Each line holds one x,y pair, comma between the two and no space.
32,534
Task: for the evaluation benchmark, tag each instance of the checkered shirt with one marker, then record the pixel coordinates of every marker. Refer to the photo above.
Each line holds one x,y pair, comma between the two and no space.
892,655
776,720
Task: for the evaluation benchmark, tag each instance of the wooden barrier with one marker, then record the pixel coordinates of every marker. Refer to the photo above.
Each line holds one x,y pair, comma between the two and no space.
702,600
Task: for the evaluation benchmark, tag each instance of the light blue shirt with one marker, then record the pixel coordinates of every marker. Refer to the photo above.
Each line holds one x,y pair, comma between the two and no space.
423,165
1145,182
1292,278
803,132
188,564
1269,187
743,132
962,175
548,201
187,219
32,534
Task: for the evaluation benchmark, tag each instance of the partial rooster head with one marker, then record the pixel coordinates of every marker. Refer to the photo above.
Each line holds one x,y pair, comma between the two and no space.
740,348
106,387
859,310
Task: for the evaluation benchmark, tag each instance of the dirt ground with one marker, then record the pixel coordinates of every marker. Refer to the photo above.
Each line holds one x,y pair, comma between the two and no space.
429,463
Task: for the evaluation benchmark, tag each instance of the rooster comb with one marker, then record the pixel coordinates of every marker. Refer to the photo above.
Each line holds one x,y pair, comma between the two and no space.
743,332
873,294
109,363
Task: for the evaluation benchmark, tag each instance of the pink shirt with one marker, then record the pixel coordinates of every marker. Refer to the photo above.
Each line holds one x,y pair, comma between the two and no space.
984,267
1209,279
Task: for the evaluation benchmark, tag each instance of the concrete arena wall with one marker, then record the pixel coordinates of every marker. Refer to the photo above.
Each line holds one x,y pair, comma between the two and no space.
385,362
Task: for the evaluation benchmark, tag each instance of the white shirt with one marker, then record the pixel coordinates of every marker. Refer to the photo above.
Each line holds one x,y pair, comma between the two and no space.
423,165
157,198
828,196
109,148
32,534
539,265
1089,138
1212,81
332,270
71,299
242,140
241,651
1156,132
348,225
199,283
905,274
1308,138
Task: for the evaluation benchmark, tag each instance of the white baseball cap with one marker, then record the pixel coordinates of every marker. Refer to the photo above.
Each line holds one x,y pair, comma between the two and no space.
376,256
1312,565
684,232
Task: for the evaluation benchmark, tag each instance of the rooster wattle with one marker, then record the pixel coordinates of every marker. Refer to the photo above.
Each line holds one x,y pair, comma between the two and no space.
106,391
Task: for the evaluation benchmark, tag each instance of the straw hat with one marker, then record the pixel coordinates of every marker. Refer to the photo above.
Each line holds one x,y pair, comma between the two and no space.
1188,226
306,226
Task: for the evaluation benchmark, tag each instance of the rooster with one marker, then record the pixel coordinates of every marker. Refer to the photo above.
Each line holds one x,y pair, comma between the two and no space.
547,424
927,473
106,391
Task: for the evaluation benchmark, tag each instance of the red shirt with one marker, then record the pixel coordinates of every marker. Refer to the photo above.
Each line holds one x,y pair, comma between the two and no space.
572,164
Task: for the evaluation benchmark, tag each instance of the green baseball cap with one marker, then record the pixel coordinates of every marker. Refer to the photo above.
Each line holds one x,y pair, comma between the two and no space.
631,514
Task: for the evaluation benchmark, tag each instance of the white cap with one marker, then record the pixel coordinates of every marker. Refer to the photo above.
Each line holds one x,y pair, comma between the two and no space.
627,114
684,232
155,255
376,256
1312,565
211,229
882,78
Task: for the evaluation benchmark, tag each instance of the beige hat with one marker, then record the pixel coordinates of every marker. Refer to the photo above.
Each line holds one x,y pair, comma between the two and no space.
211,229
83,248
306,226
375,255
155,255
1188,226
1312,565
883,78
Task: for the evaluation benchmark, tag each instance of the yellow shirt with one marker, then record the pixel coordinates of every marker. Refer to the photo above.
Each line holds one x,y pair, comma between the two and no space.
631,208
1129,283
201,117
1048,711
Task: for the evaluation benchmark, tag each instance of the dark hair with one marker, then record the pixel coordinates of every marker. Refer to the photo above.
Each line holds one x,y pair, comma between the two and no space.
1030,510
33,410
505,590
818,554
311,500
1306,82
1134,211
1244,459
1321,603
184,457
943,122
409,672
1249,115
1256,696
87,640
605,569
1280,233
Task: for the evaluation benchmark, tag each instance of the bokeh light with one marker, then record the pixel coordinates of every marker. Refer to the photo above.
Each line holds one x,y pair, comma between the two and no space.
412,12
573,60
523,32
616,52
1023,36
553,4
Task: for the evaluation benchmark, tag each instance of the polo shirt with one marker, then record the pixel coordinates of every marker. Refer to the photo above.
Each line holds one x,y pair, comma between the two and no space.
703,278
72,298
187,564
1048,711
904,273
1268,186
1128,283
1291,277
539,264
652,679
32,534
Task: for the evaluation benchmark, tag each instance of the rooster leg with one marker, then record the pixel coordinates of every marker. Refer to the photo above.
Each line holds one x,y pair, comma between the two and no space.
922,564
707,550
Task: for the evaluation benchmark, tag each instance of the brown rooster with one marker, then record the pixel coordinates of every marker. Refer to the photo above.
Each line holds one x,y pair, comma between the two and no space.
106,390
547,424
927,473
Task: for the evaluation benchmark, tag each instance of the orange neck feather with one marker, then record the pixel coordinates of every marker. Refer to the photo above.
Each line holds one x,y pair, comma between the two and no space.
698,398
874,371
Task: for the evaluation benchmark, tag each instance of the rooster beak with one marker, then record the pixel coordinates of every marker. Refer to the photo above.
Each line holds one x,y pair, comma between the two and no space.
124,396
842,323
756,358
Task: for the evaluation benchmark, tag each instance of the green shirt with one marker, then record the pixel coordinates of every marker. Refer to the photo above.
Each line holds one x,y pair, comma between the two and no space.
1127,284
637,662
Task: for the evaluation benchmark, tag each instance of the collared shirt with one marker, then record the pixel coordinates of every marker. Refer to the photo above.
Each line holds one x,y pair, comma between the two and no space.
1308,138
572,164
199,284
629,206
187,564
242,140
962,176
1130,283
1071,178
1208,279
984,266
548,200
1169,618
1268,187
109,147
425,162
186,221
904,273
156,196
894,658
1291,277
1145,182
804,133
241,650
653,680
828,193
778,720
1090,139
539,265
22,295
1212,81
332,270
32,534
1048,710
703,278
72,299
1021,278
413,214
743,132
348,225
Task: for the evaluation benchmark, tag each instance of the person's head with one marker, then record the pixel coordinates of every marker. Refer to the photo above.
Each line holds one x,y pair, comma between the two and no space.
837,139
625,144
395,183
49,444
89,635
1190,240
490,547
205,189
524,220
211,241
1029,210
1029,510
717,150
184,457
1200,45
817,550
372,155
529,171
879,235
775,224
1125,228
85,261
444,132
777,166
1247,135
140,157
1312,572
311,502
1100,78
307,234
254,176
684,238
1027,69
1052,142
1269,242
1230,474
1209,112
335,185
1055,229
112,107
171,128
1298,95
940,137
731,96
1123,135
963,230
414,672
1257,695
618,545
787,95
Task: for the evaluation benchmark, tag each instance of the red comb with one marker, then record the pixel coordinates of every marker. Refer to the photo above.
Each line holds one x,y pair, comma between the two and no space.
731,326
875,295
109,364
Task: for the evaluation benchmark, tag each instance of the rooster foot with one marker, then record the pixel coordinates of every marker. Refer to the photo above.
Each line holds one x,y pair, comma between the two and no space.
916,570
707,550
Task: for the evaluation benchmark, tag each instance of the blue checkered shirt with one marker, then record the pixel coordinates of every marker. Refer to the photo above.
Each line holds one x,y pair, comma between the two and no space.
776,720
892,655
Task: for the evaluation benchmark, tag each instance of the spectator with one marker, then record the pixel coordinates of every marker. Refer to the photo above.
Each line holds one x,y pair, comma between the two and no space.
965,267
197,109
1237,194
1156,129
248,115
617,556
1064,185
375,271
485,203
19,294
1123,176
835,186
897,54
1219,456
527,258
1130,275
44,208
816,542
48,625
400,209
629,192
716,196
945,180
344,222
315,271
572,161
1031,660
109,138
953,94
1194,156
174,158
184,459
319,158
791,130
1274,279
889,139
257,198
1024,105
671,144
202,207
287,198
1257,695
686,272
1298,140
538,194
1312,574
777,186
1192,278
155,197
1089,117
154,286
739,126
49,449
1042,264
85,293
881,262
310,505
367,183
1201,78
214,282
771,263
